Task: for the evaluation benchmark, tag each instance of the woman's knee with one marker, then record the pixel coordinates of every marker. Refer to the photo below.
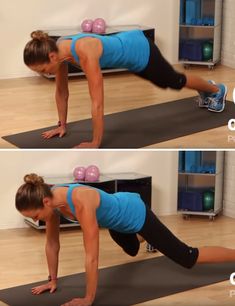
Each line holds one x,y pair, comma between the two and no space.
190,259
176,81
132,251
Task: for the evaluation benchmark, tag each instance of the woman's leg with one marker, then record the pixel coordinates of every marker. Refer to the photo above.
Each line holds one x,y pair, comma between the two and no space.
161,73
197,83
158,235
162,239
215,254
128,242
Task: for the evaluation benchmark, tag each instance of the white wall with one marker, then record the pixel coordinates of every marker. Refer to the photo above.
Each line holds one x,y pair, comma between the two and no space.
228,34
229,183
162,166
19,18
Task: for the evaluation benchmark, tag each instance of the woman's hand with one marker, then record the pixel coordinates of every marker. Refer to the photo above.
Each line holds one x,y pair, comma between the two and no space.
60,130
79,302
51,286
87,145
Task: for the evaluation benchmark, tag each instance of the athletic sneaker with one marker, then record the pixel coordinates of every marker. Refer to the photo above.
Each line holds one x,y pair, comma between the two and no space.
217,100
203,97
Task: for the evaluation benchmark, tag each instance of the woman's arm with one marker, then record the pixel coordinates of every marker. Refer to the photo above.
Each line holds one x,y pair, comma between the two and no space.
52,254
61,97
52,245
86,201
62,93
89,52
91,244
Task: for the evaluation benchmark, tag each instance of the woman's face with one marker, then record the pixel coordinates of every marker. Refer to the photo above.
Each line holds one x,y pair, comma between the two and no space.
47,68
43,214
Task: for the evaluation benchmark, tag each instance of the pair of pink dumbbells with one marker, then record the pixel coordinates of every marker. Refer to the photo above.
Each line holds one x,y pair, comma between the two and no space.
89,174
97,26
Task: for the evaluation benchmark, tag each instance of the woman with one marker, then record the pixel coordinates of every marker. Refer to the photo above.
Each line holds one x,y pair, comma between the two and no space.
91,52
123,213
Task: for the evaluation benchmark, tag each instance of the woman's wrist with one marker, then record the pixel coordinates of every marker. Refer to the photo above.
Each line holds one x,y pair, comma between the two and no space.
90,299
50,278
61,124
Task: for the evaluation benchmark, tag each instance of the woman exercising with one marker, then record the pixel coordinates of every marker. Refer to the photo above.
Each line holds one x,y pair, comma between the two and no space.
123,213
92,52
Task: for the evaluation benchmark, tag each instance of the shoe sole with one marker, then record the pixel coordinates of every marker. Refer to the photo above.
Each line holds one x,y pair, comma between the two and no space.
206,106
203,106
224,102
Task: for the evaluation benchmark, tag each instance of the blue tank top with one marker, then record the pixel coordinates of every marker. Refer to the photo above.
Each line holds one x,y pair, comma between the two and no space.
128,50
121,211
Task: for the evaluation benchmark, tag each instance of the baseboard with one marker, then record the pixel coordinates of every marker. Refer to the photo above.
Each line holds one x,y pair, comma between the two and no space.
229,213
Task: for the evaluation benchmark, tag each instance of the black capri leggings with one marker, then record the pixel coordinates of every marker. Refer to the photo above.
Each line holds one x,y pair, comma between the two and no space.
161,238
160,72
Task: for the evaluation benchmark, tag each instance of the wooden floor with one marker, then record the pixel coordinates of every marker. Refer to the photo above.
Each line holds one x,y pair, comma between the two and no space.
28,103
23,261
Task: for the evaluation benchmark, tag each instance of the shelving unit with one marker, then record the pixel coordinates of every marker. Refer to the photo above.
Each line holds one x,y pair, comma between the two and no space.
200,177
200,32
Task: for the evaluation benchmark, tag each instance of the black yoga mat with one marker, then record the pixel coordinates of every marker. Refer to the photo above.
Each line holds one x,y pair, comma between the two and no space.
125,284
134,128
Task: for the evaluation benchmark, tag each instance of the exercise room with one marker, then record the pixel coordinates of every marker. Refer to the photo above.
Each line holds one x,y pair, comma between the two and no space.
117,74
82,228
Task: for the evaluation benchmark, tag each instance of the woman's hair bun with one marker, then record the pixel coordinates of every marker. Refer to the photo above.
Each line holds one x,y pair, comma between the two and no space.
39,35
33,179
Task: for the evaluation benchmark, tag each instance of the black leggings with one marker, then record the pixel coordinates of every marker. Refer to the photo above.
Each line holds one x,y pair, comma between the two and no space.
160,237
160,72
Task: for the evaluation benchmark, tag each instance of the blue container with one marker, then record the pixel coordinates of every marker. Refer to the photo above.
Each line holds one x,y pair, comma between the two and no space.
181,161
193,11
182,11
190,200
208,168
191,50
193,161
208,21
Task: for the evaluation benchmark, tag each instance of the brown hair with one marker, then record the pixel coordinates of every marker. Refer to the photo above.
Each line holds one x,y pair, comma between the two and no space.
30,195
38,48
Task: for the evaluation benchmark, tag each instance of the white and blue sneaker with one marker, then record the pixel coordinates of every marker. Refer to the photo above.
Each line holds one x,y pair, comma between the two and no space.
202,99
217,100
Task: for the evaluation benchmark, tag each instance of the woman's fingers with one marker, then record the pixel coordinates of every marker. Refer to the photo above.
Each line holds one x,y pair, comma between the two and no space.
40,289
51,133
